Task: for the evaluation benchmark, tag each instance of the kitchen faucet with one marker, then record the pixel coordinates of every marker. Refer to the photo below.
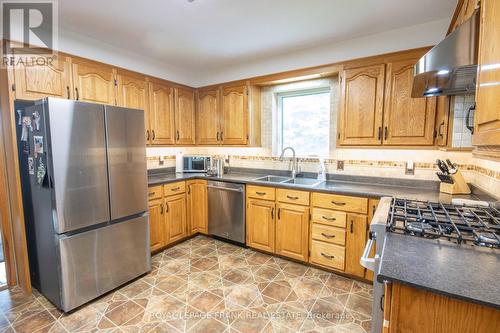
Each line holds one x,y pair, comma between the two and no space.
295,166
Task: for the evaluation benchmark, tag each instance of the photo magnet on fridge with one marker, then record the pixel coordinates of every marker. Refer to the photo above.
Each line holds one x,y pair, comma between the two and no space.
31,166
38,143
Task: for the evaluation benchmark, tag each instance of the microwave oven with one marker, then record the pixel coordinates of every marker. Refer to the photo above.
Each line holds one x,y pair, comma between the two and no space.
196,163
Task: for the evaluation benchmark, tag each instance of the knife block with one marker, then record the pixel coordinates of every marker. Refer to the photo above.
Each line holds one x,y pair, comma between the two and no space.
459,185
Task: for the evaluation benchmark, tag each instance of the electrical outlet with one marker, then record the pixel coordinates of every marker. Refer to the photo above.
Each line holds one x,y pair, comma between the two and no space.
409,168
340,165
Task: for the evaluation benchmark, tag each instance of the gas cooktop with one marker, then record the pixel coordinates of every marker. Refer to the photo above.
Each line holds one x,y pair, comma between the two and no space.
473,225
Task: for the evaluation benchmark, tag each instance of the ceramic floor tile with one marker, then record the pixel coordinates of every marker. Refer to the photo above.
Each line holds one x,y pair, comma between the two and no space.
205,285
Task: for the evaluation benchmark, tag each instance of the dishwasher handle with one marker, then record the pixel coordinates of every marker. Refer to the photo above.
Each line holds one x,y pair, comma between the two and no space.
225,188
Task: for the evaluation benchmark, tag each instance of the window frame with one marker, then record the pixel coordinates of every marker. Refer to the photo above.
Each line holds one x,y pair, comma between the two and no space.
278,138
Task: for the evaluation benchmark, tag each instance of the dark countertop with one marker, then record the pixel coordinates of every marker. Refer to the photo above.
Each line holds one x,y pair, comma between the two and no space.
470,273
412,190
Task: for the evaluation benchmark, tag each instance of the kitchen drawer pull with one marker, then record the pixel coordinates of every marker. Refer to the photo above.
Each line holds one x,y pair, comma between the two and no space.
151,194
338,203
175,189
292,198
260,193
327,235
329,218
327,256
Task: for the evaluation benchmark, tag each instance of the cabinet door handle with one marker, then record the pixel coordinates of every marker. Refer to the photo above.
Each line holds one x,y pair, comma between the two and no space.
77,94
260,193
327,256
178,136
338,203
189,189
67,90
386,133
166,207
147,134
161,209
351,227
153,135
440,132
327,235
272,213
292,198
329,218
379,137
217,136
279,215
221,137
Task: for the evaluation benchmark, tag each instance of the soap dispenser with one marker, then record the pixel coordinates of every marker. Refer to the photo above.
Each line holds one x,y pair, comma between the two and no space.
321,169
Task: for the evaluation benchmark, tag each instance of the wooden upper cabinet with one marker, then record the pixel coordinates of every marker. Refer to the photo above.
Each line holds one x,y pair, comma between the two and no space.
93,82
292,231
487,116
184,117
362,103
407,121
35,82
355,244
207,117
161,114
235,115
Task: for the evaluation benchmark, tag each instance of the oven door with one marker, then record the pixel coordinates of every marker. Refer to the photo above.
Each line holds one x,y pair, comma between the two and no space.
377,235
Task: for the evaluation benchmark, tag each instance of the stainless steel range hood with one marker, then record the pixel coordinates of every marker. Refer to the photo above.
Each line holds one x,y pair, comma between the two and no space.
450,67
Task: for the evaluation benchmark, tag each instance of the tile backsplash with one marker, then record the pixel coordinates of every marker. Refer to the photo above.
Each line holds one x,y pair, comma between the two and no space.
461,135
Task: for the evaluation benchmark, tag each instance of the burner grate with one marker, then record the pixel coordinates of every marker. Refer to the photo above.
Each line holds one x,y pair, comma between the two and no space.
461,224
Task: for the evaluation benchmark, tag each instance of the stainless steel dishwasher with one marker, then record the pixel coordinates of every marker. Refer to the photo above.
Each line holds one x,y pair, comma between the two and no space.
226,210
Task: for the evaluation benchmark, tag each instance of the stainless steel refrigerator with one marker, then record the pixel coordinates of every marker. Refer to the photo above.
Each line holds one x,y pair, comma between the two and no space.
84,177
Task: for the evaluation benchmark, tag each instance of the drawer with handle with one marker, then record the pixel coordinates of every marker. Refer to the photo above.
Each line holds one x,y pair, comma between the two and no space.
261,192
174,188
293,196
329,255
329,217
155,192
328,234
340,202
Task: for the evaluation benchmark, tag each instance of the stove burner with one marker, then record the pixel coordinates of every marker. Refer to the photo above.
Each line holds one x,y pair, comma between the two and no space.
487,239
471,225
419,227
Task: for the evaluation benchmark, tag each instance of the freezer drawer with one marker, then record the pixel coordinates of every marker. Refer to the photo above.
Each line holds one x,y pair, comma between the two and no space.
97,261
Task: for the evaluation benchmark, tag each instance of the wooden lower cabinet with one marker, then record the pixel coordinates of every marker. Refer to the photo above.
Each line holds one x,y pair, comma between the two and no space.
156,224
355,244
197,206
292,231
175,217
408,309
260,216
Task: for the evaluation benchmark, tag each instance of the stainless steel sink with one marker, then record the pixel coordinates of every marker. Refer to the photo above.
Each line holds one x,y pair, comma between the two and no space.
303,181
273,179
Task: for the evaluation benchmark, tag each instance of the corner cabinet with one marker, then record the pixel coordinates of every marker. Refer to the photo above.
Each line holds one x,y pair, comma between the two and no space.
362,105
487,116
184,116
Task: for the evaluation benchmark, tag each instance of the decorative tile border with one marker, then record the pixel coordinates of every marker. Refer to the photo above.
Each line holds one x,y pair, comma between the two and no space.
495,174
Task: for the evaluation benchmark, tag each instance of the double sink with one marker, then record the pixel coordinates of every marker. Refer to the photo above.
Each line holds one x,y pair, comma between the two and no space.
286,180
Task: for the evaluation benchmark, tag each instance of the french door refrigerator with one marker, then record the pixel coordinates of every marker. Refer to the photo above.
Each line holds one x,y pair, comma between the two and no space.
84,176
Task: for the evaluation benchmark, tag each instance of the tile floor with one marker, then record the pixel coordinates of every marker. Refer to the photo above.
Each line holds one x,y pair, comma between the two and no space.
204,285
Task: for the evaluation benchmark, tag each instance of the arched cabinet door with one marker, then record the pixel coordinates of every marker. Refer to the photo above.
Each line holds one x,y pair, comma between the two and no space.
93,82
234,115
362,103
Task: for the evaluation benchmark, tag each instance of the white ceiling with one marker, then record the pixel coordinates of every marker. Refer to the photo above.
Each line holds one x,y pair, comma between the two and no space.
213,34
